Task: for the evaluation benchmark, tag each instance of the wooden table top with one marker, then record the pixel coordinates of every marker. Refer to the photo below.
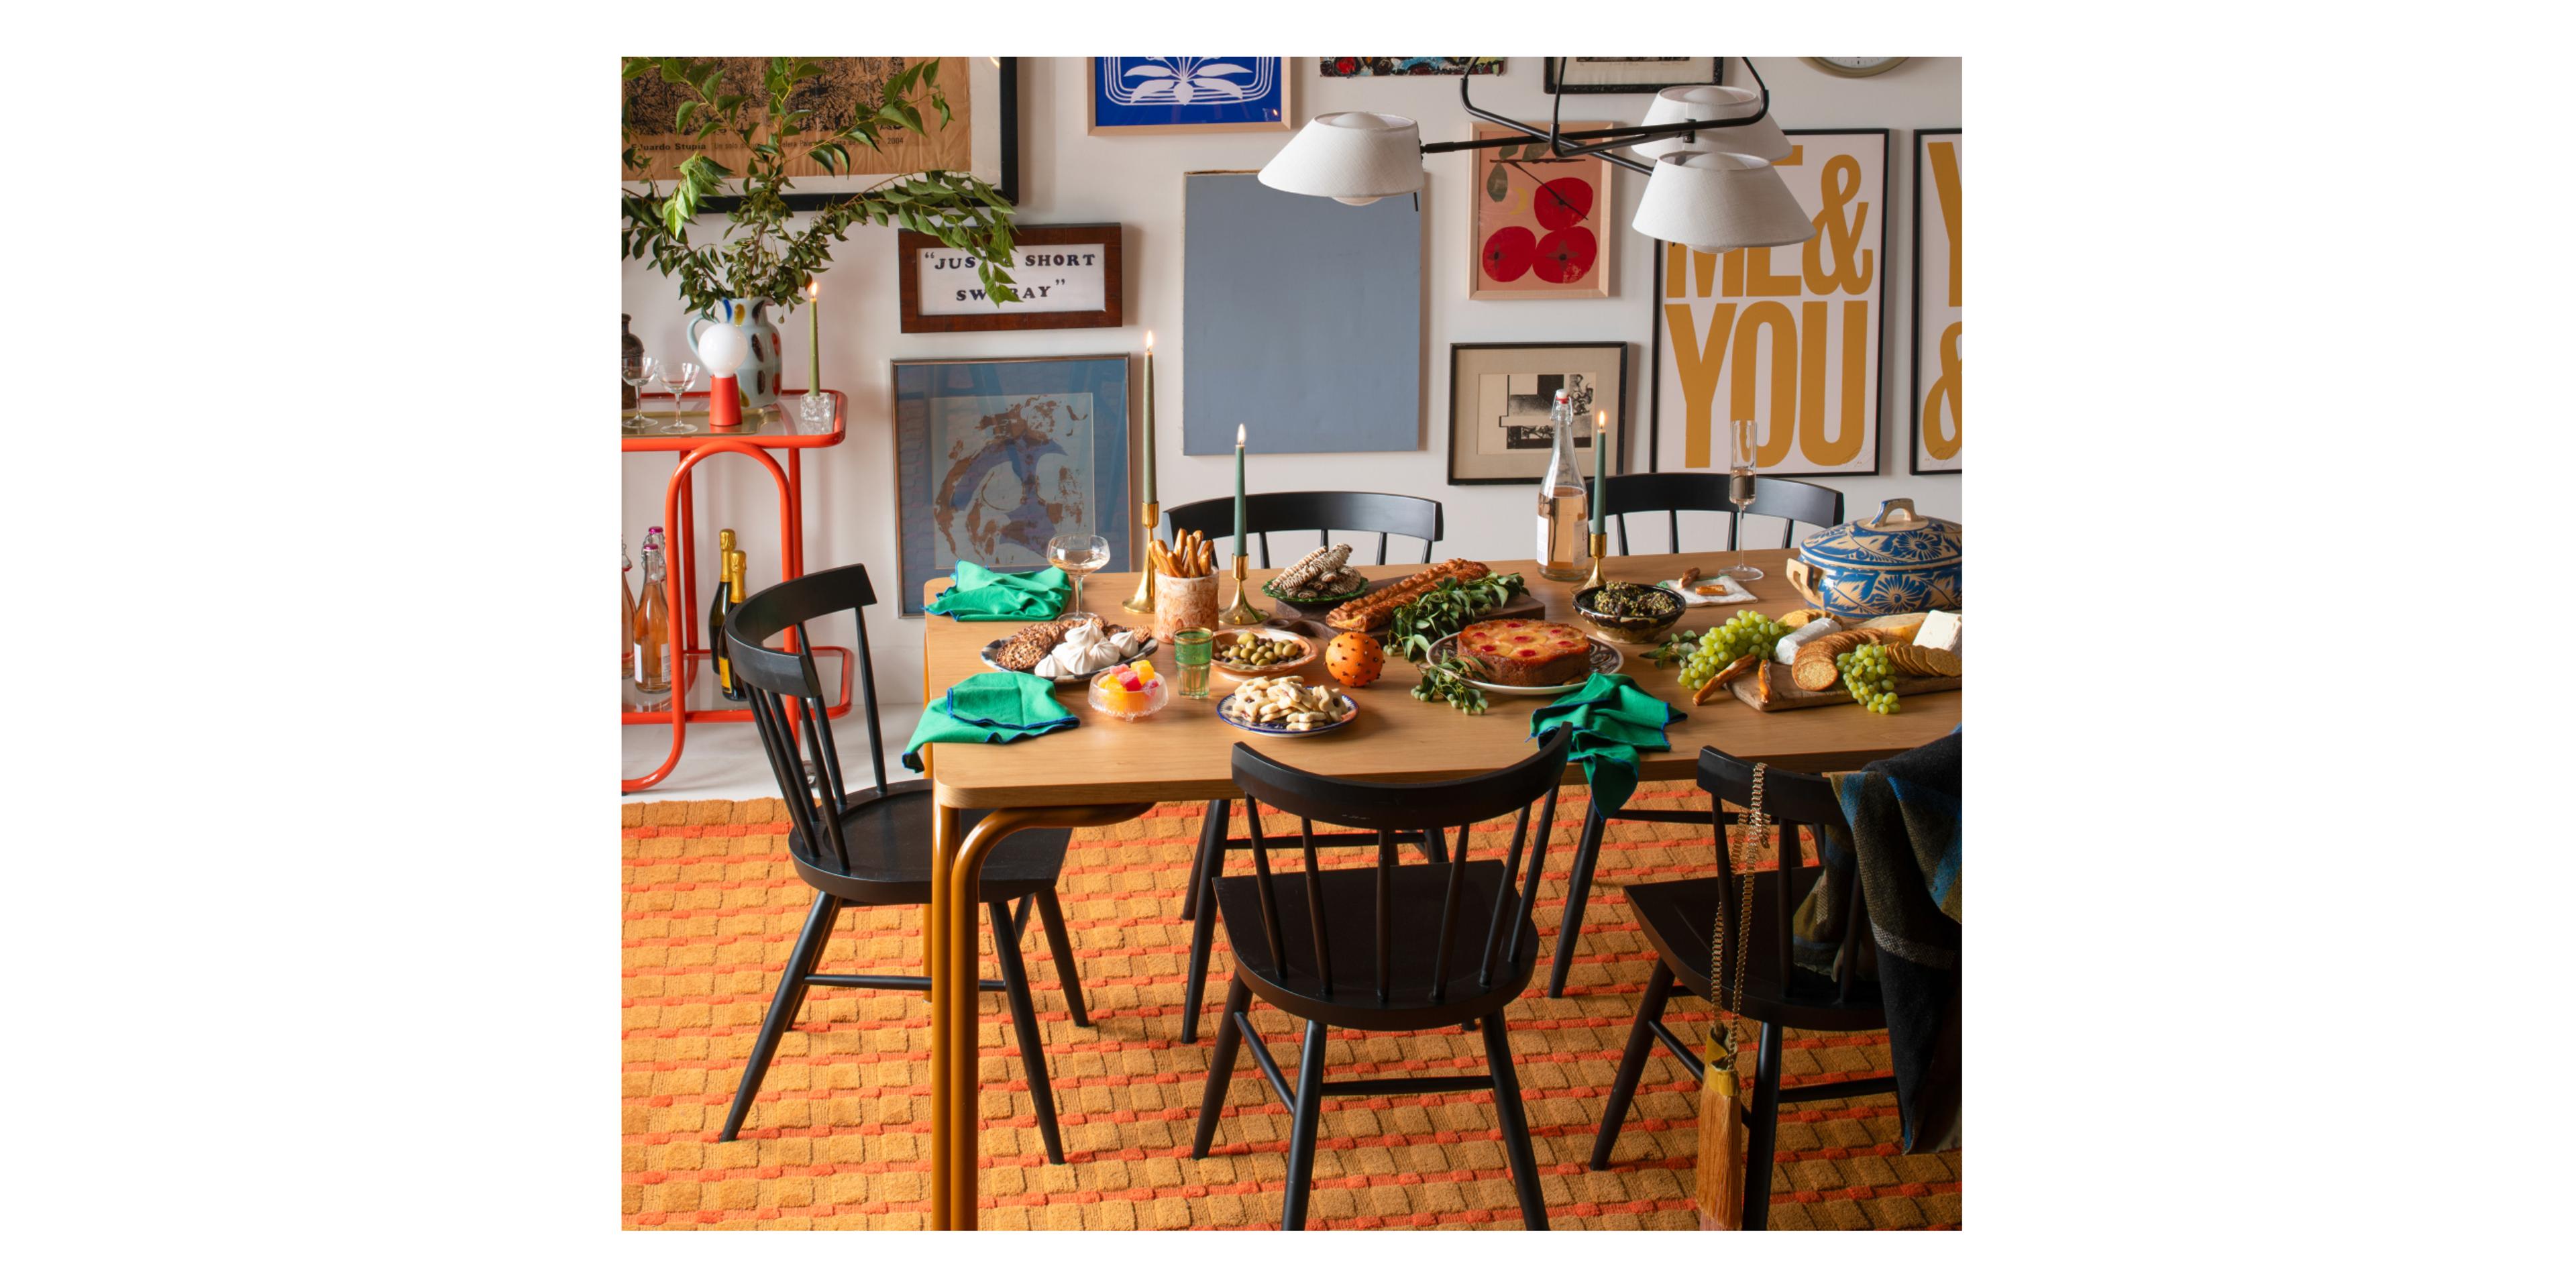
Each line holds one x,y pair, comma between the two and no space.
1180,753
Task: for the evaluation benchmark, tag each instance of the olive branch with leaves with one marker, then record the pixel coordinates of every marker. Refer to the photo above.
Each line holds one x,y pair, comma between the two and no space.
758,258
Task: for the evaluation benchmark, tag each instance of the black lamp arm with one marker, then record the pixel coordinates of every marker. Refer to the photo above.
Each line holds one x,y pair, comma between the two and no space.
1616,136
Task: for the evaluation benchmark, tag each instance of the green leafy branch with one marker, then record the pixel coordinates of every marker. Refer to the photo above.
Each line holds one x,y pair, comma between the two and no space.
1443,609
758,258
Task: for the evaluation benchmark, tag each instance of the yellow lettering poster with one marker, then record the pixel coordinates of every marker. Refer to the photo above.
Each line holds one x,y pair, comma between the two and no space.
1936,405
1788,336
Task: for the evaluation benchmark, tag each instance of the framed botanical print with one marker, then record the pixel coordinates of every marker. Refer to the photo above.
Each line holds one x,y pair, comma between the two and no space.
1539,229
1501,395
995,455
1066,275
981,136
1191,95
1628,75
1789,336
1936,420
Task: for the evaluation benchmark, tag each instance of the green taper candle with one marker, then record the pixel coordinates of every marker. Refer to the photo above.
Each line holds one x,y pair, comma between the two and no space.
1600,459
1149,417
1238,491
814,335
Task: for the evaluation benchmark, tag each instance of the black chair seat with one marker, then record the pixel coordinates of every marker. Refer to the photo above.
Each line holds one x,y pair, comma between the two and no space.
889,845
1678,916
1350,904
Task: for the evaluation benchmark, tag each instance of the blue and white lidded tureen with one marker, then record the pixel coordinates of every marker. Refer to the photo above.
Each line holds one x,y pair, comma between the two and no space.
1899,562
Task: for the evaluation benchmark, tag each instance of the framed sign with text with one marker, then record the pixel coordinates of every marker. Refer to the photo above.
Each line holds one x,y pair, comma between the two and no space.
1788,336
1067,275
1935,414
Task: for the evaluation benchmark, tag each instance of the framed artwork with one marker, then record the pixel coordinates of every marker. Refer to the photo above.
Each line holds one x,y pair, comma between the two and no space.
1538,231
1337,67
1500,397
1067,276
1789,336
992,456
982,136
1628,75
1937,421
1191,95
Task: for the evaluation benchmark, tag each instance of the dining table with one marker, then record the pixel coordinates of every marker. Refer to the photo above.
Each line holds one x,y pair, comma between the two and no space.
1107,770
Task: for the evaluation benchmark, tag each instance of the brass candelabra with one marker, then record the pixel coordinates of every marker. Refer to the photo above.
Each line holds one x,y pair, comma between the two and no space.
1241,612
1600,543
1148,515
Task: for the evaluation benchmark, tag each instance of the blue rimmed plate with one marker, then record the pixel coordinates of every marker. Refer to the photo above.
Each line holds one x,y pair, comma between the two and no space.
1225,712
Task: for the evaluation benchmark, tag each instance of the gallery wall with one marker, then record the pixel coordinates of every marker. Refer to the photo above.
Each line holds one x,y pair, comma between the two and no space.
1069,176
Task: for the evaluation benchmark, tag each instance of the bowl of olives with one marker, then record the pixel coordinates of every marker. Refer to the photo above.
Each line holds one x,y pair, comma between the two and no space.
1625,612
1262,651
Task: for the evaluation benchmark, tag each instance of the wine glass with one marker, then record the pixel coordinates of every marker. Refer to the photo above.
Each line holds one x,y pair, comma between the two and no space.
637,371
674,376
1741,439
1076,553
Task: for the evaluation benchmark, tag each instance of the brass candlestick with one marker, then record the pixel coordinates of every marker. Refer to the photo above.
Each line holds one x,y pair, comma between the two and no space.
1148,515
1600,543
1240,612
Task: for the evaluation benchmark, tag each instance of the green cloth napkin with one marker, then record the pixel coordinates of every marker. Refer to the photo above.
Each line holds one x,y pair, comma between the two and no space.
982,595
1612,720
996,706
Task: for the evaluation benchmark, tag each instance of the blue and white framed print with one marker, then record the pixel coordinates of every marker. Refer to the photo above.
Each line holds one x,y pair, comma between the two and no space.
1189,95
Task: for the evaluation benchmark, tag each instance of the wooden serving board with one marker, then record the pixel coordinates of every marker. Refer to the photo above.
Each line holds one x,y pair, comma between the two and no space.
1787,696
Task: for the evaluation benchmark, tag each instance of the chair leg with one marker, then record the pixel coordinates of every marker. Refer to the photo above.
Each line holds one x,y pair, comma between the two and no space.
1765,1128
1020,918
1515,1123
1211,819
1220,1067
1578,889
1024,1020
1203,921
1060,946
1309,1115
1632,1063
783,1007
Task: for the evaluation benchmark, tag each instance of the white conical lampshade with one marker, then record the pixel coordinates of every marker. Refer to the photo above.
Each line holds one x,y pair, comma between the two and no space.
1720,201
1351,157
1681,103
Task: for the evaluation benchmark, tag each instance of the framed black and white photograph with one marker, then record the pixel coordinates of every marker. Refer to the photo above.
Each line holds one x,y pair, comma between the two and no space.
1066,275
1501,395
1628,75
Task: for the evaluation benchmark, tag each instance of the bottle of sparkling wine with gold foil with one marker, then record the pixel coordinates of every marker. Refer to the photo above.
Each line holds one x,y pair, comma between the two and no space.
716,613
736,564
1564,506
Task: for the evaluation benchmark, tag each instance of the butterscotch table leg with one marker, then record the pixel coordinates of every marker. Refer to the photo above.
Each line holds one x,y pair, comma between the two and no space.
934,963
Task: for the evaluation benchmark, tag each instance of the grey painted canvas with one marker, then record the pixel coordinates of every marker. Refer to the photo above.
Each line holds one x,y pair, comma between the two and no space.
1302,318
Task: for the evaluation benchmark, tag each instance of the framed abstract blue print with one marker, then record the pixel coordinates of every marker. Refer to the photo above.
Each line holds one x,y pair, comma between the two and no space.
993,456
1187,95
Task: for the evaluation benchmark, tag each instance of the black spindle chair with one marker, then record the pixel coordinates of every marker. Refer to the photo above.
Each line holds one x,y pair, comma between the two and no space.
1679,916
873,848
1384,513
1789,500
1383,949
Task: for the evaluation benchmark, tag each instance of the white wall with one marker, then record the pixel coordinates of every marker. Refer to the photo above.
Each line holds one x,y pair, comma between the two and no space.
1068,176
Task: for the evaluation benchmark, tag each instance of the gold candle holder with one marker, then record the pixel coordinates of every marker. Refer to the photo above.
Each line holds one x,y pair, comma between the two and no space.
1241,612
1148,515
1600,543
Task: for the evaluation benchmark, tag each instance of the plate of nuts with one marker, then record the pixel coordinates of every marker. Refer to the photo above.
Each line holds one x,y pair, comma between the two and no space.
1283,708
1262,651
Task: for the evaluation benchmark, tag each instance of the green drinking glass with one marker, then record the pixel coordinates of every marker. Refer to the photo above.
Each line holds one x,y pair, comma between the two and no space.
1194,650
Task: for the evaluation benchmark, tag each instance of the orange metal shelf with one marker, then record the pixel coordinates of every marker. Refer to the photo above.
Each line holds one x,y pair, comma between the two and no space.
706,704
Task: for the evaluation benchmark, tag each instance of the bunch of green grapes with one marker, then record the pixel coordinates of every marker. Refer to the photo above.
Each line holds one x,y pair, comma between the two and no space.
1746,632
1869,677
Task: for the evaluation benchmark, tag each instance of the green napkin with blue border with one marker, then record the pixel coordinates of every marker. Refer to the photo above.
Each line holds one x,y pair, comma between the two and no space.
980,594
996,706
1613,720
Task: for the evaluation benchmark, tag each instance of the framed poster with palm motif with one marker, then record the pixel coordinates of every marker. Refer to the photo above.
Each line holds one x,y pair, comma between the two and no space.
1191,95
1538,232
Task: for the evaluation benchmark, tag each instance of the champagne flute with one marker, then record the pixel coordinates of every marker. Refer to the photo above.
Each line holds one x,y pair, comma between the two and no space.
675,376
1743,436
1076,553
637,372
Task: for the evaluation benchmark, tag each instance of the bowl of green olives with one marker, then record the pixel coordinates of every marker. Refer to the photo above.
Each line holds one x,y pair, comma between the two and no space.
1625,612
1262,651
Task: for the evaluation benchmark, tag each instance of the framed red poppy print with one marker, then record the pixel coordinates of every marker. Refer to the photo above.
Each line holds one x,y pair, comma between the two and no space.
1541,223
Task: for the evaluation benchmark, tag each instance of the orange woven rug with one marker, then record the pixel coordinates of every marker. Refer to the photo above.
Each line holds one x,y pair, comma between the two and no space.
839,1136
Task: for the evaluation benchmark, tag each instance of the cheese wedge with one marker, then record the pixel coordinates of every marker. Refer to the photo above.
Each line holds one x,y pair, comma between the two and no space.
1940,630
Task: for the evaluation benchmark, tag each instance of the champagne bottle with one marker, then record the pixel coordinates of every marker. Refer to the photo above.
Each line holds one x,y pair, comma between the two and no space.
737,565
1564,506
626,620
716,612
653,622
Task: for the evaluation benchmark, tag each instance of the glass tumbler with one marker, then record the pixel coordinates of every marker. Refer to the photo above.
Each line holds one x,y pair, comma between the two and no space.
1195,651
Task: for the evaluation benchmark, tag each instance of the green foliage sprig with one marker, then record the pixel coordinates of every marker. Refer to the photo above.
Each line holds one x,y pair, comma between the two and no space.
758,258
1675,650
1447,682
1444,608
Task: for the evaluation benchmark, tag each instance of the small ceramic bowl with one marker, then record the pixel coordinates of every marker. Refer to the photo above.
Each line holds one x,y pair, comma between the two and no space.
1226,639
1632,628
1131,706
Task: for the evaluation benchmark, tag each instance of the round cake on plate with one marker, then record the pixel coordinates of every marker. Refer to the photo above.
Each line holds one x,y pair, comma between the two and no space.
1526,654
